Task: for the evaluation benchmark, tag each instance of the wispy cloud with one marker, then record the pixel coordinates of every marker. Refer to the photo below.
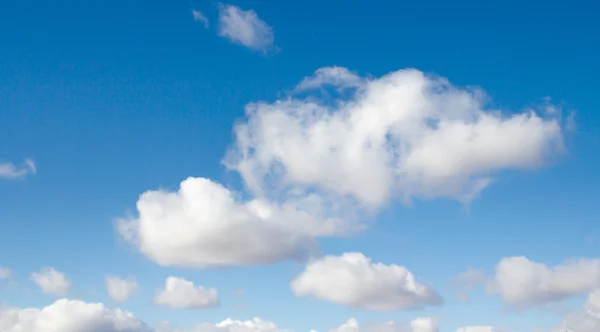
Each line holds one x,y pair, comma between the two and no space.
199,17
12,171
244,27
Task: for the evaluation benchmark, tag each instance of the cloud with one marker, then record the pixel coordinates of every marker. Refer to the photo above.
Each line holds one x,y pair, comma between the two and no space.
586,320
525,284
206,225
182,294
353,280
120,289
339,77
244,27
199,17
423,324
319,166
5,273
479,329
405,134
228,325
70,316
467,281
51,281
12,171
76,316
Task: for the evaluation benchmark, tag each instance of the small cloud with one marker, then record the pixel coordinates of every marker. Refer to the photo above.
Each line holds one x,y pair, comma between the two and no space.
120,289
51,281
570,123
12,171
199,17
5,273
244,27
182,294
467,281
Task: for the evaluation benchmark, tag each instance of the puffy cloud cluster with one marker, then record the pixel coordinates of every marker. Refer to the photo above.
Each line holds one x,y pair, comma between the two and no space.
70,316
422,324
51,281
315,161
182,294
76,316
405,134
353,280
120,289
524,284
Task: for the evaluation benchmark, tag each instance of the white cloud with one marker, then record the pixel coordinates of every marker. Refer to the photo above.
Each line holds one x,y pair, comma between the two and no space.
586,320
199,17
423,324
228,325
244,27
335,76
353,280
524,284
51,281
467,281
76,316
5,273
69,316
478,329
205,225
12,171
182,294
120,289
404,134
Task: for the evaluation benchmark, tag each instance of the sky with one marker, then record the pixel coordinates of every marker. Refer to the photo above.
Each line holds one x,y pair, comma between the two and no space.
271,166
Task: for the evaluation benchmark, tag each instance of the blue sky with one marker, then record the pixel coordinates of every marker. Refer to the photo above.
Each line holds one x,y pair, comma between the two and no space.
101,102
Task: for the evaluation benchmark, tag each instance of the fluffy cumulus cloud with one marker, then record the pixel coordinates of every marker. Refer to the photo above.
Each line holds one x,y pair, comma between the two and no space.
586,320
182,294
206,225
405,134
523,283
12,171
120,289
320,161
199,17
422,324
244,27
51,281
353,280
70,316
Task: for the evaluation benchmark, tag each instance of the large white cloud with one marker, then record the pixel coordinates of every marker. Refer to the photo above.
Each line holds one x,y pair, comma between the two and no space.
586,320
182,294
353,280
422,324
12,171
523,283
51,281
120,289
404,134
206,225
314,163
70,316
244,27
